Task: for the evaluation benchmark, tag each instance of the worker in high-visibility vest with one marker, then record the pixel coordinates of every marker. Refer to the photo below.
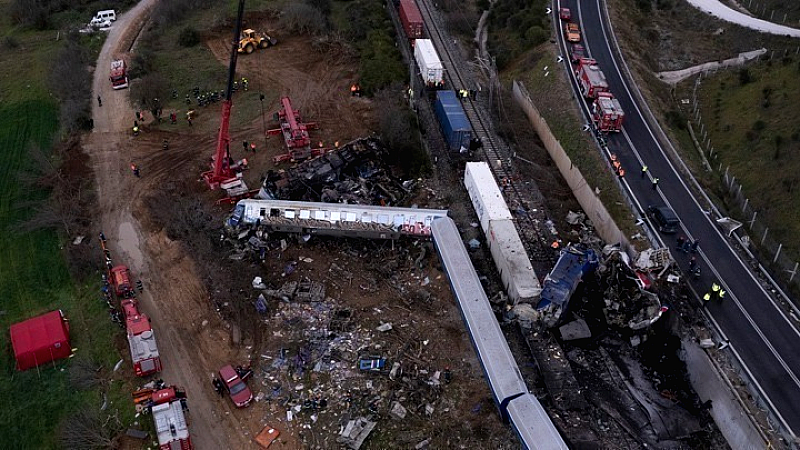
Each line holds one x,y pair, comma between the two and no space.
706,299
721,294
715,288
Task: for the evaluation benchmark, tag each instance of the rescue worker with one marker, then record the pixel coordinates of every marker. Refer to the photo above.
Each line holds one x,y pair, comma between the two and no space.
135,170
655,183
695,244
715,288
692,264
706,299
173,118
136,130
644,171
165,144
680,240
721,294
246,146
244,83
253,147
621,173
218,386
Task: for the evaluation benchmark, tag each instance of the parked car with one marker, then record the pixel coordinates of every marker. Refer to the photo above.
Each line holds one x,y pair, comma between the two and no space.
237,389
577,51
564,14
664,218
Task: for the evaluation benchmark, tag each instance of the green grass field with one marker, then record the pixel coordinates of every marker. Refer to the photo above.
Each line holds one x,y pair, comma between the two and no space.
33,274
754,128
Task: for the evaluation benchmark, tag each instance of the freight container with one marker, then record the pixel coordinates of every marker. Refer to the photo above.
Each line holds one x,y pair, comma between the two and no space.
411,19
485,195
452,120
428,63
512,262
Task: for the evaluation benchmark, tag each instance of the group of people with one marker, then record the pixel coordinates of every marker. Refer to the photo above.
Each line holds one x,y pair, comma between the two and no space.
465,94
716,292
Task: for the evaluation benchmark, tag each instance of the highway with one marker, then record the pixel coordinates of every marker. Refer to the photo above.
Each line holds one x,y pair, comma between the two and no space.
760,334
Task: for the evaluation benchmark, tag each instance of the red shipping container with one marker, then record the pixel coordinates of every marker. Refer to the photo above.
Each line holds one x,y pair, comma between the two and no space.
411,19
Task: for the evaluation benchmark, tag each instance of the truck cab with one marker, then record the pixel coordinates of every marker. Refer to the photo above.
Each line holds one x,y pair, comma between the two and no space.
121,280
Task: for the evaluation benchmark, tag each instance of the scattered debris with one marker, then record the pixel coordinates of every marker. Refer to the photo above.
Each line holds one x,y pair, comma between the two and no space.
577,329
267,436
356,432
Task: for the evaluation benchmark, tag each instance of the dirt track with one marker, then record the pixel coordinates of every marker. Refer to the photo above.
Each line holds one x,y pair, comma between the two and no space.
174,297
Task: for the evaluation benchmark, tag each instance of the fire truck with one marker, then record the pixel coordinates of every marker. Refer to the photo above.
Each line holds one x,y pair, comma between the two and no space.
168,406
119,74
120,278
607,113
144,351
591,79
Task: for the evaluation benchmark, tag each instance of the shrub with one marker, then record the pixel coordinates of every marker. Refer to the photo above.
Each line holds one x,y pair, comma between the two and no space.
188,37
400,133
10,42
72,85
744,76
759,125
676,119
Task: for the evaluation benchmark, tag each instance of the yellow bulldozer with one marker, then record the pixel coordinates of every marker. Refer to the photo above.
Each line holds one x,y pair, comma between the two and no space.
251,40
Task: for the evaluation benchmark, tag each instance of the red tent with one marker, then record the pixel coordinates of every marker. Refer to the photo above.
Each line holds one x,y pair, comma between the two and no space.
40,340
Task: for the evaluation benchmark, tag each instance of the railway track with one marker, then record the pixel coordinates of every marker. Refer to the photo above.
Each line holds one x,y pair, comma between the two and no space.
530,220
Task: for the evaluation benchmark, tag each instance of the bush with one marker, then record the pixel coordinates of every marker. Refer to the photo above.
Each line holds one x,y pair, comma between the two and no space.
72,85
676,119
10,42
302,18
400,133
744,76
143,63
188,37
759,125
30,13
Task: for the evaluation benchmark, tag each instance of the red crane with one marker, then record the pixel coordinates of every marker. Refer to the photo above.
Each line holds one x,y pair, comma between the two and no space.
295,134
222,169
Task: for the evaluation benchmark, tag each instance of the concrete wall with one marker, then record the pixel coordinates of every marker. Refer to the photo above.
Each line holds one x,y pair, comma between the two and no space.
606,228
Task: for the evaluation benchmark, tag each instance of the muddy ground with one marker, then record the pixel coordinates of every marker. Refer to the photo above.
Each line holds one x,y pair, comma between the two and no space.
202,303
200,296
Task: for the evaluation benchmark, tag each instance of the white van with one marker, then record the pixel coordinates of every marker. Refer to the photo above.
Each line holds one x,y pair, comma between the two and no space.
103,18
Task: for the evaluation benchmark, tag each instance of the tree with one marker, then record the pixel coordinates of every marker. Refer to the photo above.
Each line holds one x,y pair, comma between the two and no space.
86,429
150,90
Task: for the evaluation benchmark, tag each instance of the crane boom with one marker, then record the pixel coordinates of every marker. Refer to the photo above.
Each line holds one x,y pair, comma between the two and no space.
221,170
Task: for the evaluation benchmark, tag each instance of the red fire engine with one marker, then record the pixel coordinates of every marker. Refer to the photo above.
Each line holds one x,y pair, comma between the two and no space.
118,74
168,408
591,79
142,342
607,113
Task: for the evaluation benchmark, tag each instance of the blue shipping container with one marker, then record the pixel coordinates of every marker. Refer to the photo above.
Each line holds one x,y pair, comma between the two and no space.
452,120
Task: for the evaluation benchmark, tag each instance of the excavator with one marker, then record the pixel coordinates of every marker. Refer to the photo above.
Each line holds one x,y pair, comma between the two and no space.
252,39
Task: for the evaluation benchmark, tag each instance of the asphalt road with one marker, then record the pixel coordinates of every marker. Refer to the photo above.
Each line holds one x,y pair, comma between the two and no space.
759,332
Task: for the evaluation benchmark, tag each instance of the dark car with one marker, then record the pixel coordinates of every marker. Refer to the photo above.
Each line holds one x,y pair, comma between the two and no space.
664,218
577,51
238,390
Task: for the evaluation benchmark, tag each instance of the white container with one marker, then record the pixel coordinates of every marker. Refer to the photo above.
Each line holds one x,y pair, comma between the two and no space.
485,194
428,63
512,262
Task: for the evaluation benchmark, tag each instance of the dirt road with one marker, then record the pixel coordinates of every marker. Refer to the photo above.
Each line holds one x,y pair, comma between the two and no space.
187,330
